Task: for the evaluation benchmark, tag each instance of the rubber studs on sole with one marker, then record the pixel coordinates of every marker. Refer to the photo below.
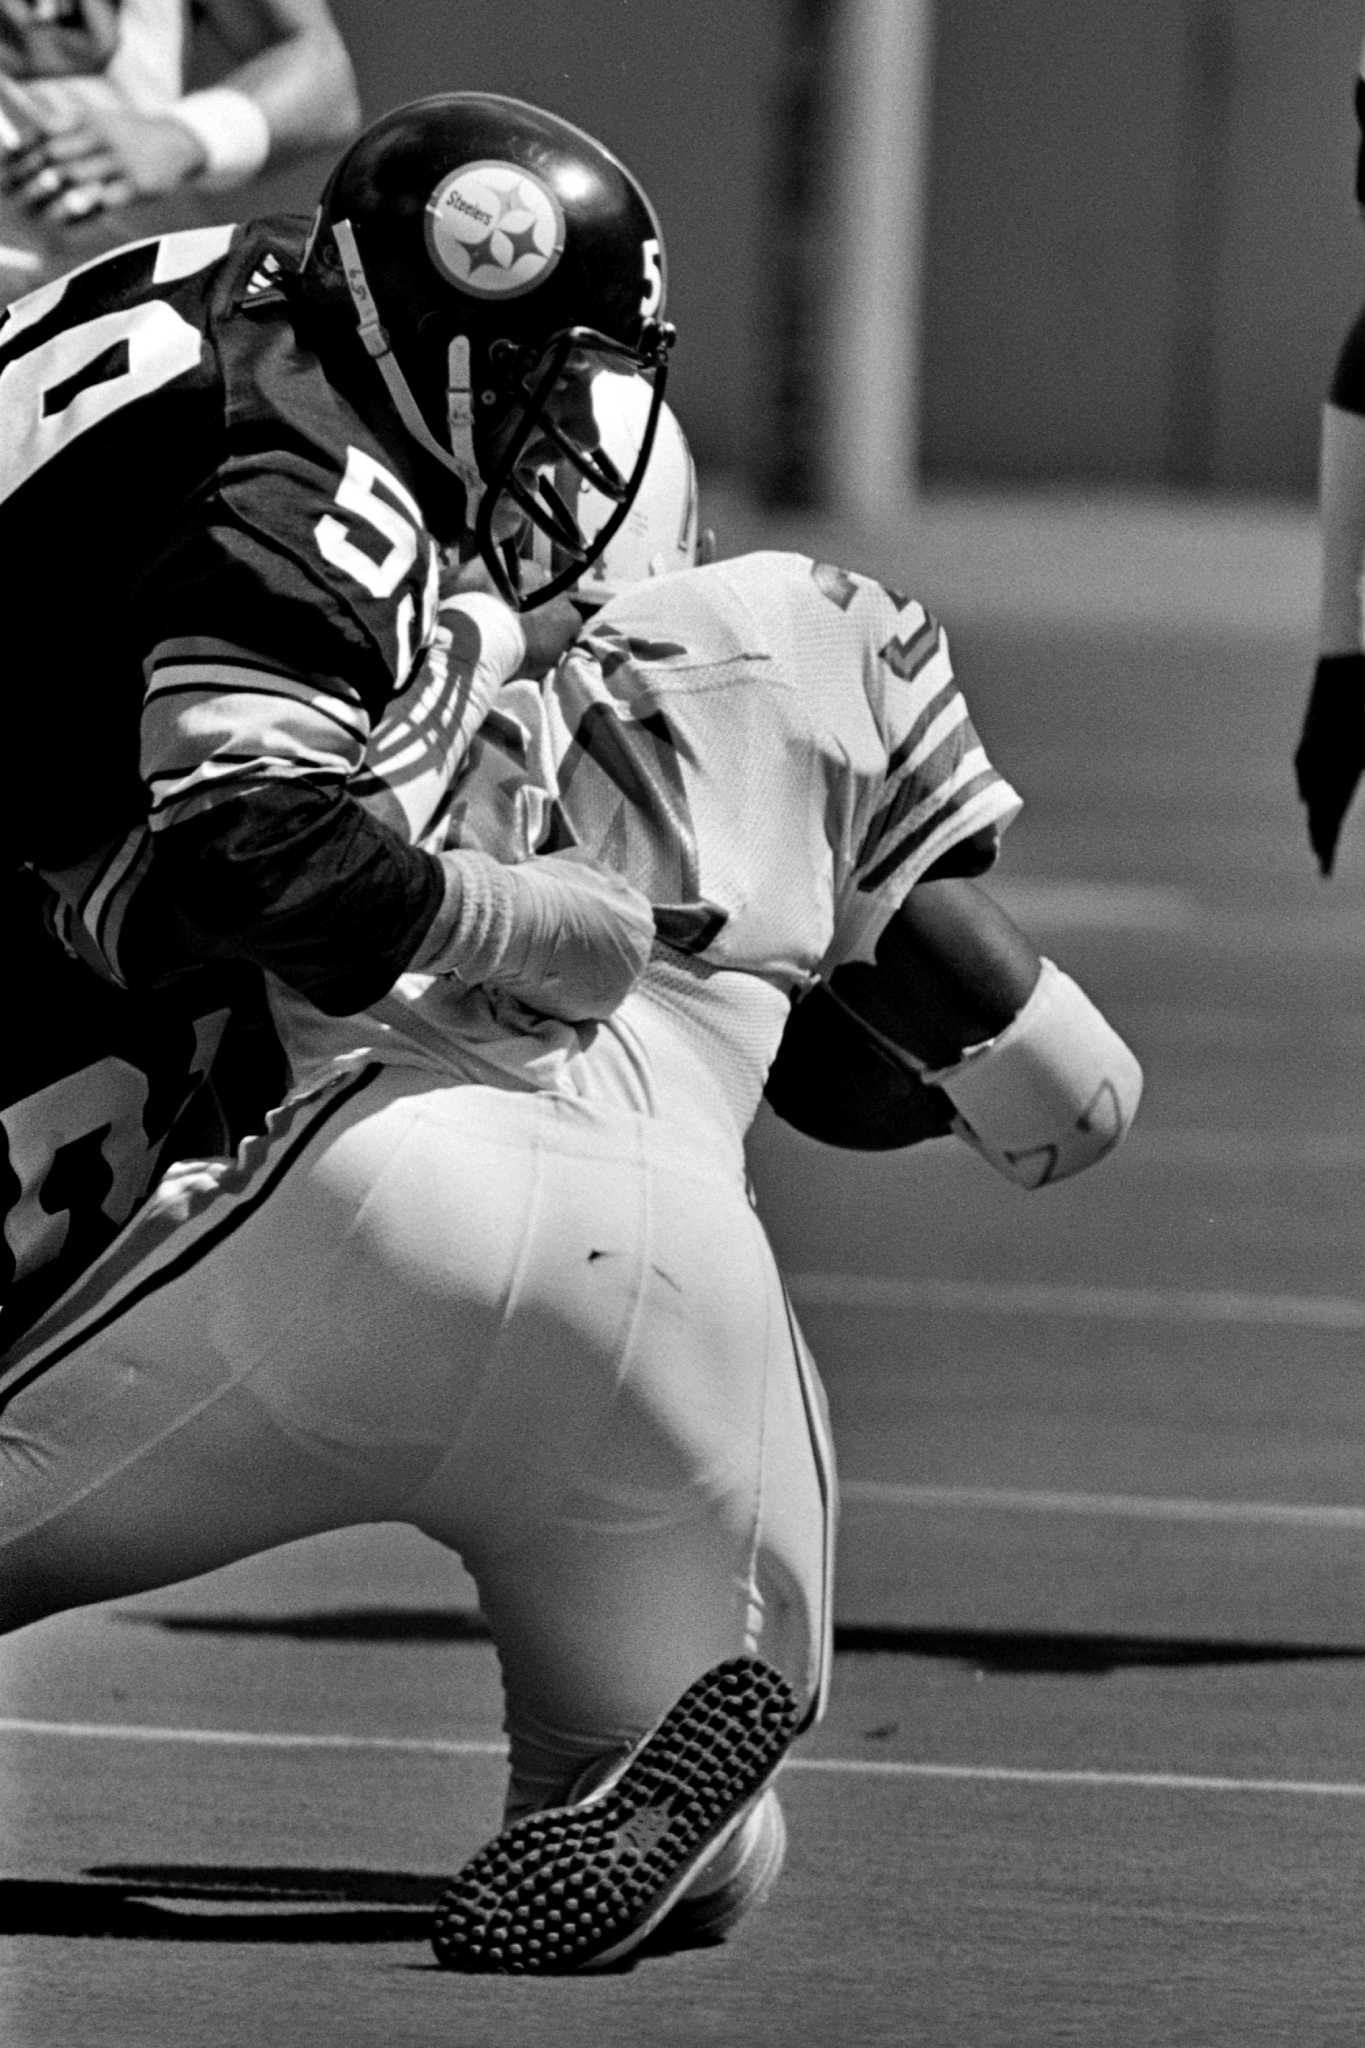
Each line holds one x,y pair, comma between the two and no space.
576,1887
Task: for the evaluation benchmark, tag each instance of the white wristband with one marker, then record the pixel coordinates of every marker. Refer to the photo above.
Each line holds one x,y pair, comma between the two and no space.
232,130
476,923
502,637
1053,1093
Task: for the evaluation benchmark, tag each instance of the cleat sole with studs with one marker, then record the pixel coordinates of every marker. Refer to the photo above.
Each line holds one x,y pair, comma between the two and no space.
577,1887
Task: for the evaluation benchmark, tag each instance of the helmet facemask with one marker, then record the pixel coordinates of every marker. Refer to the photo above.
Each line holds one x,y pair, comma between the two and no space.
550,461
650,533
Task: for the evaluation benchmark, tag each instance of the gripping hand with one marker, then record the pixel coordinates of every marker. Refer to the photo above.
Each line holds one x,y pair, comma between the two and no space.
586,936
558,932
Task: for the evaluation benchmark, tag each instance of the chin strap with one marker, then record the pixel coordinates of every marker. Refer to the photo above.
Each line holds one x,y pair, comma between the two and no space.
459,458
460,420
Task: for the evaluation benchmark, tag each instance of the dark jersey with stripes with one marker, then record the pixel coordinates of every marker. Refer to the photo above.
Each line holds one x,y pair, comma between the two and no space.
216,580
219,580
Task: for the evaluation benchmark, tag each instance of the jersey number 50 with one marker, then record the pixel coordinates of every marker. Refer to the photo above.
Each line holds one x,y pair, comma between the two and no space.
81,373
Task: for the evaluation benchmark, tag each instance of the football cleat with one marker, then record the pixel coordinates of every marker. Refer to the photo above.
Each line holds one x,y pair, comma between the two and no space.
578,1887
740,1878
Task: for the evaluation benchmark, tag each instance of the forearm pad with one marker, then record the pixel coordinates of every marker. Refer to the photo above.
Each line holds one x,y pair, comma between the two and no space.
1052,1094
300,880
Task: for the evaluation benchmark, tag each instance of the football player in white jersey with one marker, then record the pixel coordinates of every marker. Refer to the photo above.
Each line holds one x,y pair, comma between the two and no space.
100,142
277,429
1330,757
499,1275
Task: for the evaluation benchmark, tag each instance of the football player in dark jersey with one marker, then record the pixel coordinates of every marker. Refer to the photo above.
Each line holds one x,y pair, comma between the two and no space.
1330,757
266,440
100,142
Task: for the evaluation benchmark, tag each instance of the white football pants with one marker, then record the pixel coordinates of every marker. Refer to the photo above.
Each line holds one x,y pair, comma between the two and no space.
550,1335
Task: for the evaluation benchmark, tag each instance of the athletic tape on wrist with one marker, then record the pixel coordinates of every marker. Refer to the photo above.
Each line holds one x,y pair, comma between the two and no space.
502,636
476,925
1053,1093
232,130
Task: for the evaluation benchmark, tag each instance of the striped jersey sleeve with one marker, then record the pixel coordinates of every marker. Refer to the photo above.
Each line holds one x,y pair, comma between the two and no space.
276,634
938,787
216,718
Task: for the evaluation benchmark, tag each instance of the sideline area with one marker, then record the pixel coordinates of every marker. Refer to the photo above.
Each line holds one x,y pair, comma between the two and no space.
1088,557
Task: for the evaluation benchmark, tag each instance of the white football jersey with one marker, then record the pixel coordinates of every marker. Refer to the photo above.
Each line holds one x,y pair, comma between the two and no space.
62,61
62,57
774,751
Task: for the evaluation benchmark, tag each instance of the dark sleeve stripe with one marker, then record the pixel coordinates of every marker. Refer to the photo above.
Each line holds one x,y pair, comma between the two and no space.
209,679
933,709
918,835
324,707
926,777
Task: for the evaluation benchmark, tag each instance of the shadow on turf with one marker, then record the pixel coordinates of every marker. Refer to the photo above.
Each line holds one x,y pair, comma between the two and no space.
179,1902
1006,1652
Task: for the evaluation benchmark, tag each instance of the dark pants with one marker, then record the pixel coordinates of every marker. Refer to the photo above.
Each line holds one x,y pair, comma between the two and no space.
100,1087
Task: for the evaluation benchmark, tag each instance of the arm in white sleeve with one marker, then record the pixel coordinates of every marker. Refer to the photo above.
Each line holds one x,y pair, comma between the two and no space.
292,91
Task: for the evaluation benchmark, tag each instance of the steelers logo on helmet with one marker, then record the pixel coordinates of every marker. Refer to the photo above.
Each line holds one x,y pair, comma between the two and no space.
494,229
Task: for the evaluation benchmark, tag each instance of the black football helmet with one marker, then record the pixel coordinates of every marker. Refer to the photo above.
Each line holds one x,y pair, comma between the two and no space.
491,257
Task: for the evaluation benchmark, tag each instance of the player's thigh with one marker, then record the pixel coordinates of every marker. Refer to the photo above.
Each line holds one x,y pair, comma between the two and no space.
717,1436
216,1483
250,1361
664,1444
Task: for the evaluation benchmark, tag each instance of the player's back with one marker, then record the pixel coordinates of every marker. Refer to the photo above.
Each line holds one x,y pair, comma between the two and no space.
772,751
109,416
727,737
137,395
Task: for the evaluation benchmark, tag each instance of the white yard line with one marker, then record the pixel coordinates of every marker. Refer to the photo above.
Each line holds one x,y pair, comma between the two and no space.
1137,1781
889,1767
250,1738
1139,1507
1106,906
1208,916
1228,1305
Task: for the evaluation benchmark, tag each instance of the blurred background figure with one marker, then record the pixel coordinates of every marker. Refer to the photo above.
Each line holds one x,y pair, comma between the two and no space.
1331,752
103,144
